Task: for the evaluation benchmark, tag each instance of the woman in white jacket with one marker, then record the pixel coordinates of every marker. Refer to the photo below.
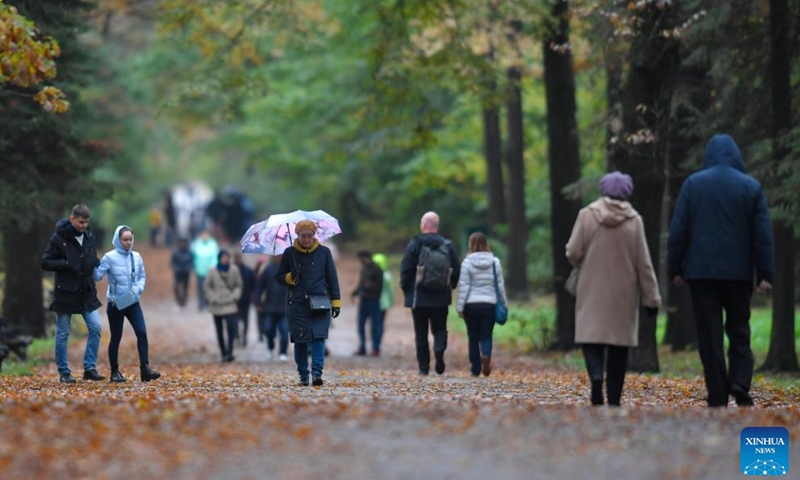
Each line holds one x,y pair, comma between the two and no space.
476,301
126,277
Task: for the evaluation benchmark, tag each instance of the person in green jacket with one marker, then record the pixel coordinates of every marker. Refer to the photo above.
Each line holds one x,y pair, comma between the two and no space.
387,292
205,251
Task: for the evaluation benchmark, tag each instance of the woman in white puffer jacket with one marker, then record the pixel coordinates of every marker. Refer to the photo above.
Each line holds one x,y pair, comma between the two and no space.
476,300
125,269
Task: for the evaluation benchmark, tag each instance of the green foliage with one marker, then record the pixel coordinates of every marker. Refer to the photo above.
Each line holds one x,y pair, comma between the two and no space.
40,353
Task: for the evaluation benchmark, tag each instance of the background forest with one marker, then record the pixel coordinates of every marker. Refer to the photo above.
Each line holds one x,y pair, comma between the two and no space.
499,115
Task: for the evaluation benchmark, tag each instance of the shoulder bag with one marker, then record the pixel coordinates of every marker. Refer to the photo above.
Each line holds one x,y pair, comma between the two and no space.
500,308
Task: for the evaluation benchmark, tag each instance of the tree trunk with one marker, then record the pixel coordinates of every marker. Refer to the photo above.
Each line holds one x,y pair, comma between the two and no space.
782,355
564,164
646,102
493,151
23,301
517,284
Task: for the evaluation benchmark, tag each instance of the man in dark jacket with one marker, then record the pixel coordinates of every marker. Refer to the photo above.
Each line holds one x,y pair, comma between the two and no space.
182,263
720,240
71,254
429,299
270,301
370,285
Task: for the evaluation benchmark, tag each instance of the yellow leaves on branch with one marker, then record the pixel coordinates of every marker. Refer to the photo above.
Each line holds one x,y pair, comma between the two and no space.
27,58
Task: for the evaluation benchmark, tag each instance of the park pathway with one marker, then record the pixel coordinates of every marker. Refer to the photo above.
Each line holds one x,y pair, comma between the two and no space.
374,418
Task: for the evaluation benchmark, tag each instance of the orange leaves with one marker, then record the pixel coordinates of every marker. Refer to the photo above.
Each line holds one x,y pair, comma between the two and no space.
27,58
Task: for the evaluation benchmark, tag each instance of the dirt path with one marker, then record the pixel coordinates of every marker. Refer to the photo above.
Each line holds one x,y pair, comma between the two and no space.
374,418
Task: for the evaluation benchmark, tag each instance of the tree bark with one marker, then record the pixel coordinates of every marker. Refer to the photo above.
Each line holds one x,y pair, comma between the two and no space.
646,103
782,355
564,164
23,300
517,284
493,151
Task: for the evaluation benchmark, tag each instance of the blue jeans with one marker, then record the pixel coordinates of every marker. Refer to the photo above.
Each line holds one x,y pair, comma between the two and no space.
92,320
116,320
370,309
273,324
201,294
317,358
479,318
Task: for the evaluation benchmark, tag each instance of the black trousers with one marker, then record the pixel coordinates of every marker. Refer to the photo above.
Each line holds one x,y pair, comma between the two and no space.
231,321
436,318
181,288
611,360
709,299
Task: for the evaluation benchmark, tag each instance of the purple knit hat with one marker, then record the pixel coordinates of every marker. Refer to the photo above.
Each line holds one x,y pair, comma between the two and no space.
616,185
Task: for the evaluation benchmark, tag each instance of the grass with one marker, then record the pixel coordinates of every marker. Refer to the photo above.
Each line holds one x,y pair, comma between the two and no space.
40,352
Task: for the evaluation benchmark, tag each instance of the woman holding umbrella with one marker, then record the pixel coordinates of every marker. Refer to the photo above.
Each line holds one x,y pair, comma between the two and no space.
313,297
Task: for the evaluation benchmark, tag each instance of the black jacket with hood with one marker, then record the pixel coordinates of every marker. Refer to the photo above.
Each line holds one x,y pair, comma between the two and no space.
419,296
74,291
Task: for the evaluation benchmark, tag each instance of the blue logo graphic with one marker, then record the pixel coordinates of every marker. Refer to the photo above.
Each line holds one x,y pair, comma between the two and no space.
764,451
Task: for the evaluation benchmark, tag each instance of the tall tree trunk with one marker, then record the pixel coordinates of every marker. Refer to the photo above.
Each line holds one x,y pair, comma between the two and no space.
493,151
564,163
782,355
646,102
23,301
517,285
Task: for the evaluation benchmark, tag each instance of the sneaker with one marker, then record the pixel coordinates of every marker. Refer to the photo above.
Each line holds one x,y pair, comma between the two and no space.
283,357
116,377
317,382
439,362
269,354
66,378
375,352
92,375
303,382
486,365
742,397
360,352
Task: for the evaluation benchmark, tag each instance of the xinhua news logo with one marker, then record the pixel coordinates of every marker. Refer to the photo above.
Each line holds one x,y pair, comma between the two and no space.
764,451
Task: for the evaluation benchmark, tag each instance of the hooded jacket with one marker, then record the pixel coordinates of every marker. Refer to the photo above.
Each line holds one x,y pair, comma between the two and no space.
74,291
122,276
417,296
476,282
616,274
721,227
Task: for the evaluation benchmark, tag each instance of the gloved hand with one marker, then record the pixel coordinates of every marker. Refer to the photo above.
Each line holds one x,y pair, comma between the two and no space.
295,273
652,312
335,312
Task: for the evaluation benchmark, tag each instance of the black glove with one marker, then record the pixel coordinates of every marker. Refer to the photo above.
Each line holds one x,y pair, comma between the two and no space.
335,312
295,273
652,312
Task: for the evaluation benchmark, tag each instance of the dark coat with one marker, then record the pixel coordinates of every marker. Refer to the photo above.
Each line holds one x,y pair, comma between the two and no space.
317,277
74,291
721,228
182,261
370,283
248,285
418,296
270,296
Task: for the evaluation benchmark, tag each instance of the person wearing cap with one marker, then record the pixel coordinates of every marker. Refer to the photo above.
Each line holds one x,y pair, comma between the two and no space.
616,276
720,243
307,269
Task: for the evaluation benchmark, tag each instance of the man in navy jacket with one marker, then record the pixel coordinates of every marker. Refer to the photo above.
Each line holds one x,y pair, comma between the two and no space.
720,241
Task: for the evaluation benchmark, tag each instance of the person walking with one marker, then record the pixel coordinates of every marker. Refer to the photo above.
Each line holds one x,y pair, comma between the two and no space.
429,272
126,276
479,283
616,275
720,242
248,286
72,255
182,262
368,291
313,298
387,293
223,288
205,252
270,300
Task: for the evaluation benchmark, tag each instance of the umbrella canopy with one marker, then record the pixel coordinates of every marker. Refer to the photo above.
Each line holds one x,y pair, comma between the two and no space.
274,234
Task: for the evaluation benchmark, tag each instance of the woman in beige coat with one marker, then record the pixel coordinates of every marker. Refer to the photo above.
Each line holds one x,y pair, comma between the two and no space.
222,288
616,275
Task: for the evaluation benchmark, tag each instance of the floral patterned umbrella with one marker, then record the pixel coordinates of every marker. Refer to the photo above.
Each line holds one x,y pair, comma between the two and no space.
273,235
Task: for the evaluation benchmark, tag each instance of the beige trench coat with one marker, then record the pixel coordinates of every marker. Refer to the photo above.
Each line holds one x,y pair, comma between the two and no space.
616,273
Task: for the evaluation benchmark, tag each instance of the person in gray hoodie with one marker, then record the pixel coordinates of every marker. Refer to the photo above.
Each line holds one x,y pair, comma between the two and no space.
477,296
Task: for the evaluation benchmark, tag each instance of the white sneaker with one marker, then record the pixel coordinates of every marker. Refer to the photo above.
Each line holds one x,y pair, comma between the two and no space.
283,357
269,355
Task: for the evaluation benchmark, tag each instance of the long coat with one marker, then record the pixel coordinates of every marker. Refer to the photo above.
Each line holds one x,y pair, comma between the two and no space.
616,273
73,264
317,277
223,290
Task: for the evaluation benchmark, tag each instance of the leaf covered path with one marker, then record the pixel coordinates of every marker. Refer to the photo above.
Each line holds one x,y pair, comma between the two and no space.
374,417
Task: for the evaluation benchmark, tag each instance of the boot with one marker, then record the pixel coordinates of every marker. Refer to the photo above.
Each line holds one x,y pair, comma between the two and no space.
148,373
597,392
439,354
116,377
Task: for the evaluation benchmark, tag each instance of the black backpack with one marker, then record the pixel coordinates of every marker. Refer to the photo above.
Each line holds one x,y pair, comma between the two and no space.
434,269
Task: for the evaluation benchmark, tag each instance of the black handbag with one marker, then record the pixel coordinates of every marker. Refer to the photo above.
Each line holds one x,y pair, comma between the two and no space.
319,303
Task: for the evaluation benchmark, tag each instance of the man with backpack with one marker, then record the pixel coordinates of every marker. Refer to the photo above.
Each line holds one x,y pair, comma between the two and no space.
428,274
